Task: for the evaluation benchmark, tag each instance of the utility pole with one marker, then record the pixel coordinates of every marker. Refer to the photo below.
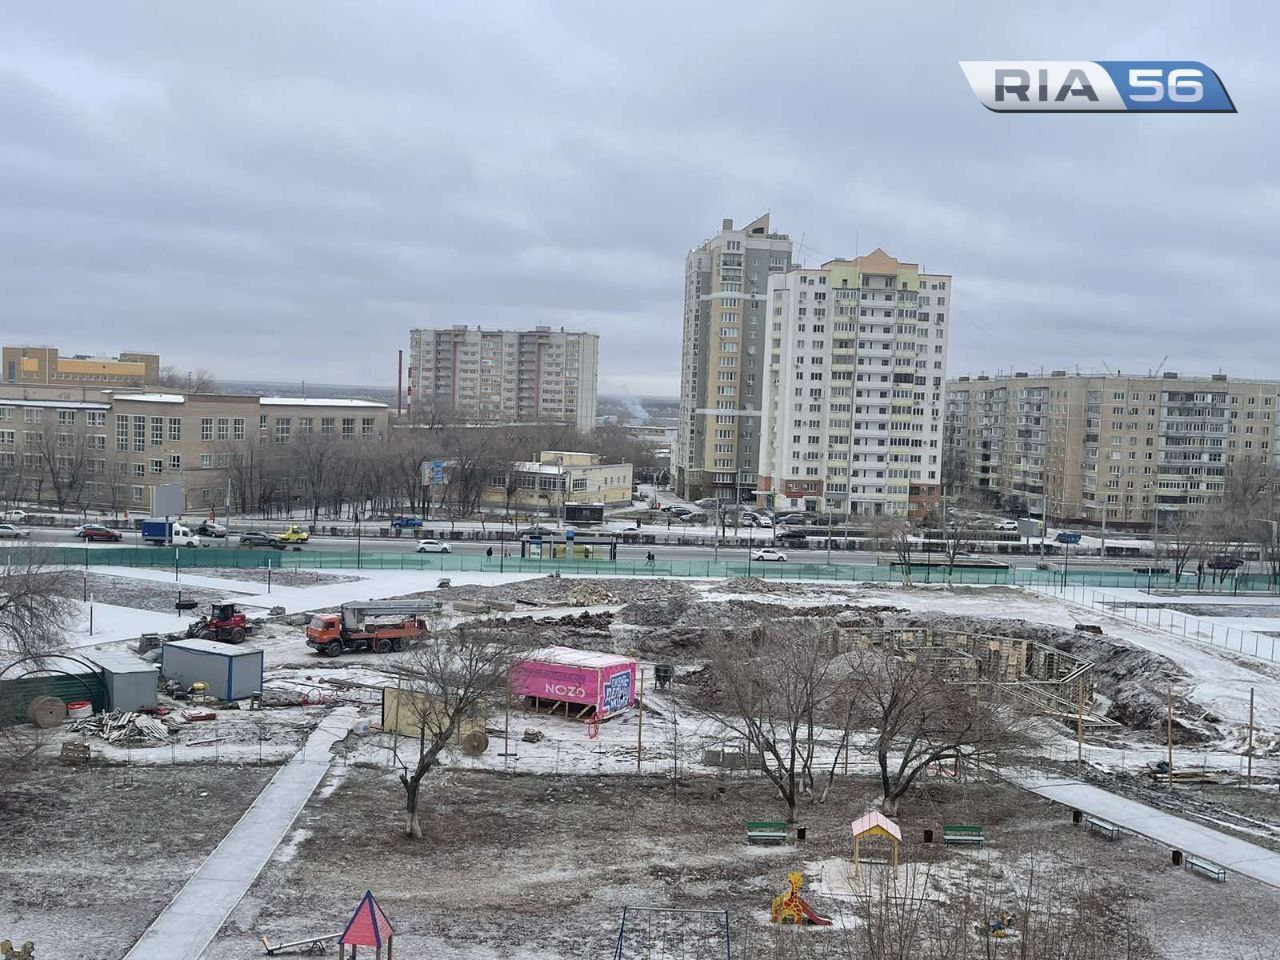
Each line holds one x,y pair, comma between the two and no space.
1168,730
1080,726
1249,752
640,725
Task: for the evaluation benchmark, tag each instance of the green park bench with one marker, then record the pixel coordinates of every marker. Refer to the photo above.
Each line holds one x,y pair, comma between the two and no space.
963,833
767,831
1205,867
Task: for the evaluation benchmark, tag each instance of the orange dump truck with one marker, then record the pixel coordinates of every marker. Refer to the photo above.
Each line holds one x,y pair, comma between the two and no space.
380,626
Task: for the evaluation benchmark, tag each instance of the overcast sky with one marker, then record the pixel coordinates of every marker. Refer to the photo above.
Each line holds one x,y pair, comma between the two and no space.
281,189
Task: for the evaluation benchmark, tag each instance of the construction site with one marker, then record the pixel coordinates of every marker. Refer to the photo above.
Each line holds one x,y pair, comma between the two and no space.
612,797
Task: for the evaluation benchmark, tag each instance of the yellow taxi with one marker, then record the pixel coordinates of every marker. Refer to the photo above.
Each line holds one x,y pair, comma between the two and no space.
294,534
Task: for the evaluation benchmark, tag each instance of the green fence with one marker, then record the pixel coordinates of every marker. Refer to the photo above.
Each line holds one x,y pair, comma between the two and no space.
188,559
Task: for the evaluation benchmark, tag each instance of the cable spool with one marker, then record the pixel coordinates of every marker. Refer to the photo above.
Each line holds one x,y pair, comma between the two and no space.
475,743
79,709
47,712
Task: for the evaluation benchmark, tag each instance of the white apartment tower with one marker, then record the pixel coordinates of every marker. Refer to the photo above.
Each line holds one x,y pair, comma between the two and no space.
853,389
471,375
717,447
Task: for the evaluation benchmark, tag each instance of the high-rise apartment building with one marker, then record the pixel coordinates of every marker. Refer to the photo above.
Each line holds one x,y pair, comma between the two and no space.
472,375
853,388
44,366
1080,447
726,279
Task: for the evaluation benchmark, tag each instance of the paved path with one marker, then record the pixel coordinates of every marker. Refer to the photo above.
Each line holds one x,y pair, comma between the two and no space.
1236,855
192,919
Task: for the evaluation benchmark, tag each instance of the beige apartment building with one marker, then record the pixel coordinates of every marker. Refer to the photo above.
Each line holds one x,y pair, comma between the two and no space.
1082,447
472,375
43,365
853,388
558,477
722,365
109,449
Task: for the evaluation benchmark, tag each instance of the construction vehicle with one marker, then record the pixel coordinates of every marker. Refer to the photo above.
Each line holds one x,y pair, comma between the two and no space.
225,621
378,625
294,534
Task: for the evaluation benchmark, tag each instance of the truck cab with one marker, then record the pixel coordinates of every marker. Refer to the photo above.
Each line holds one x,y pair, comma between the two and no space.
294,534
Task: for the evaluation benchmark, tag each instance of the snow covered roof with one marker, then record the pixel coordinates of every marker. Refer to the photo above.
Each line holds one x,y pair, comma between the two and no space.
318,402
152,397
532,466
118,661
872,819
212,646
571,657
60,404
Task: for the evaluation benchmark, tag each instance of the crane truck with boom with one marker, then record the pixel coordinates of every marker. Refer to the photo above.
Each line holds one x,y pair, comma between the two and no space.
377,625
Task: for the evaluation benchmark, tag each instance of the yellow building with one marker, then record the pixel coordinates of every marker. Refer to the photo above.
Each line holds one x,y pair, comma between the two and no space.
558,477
43,365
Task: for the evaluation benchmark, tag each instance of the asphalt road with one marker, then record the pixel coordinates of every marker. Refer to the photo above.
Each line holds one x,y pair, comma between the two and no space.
407,544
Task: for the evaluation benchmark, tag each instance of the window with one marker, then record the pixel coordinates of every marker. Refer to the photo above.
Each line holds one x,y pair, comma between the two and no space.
237,428
139,434
304,425
579,485
139,469
224,428
175,429
122,432
262,421
139,494
66,418
32,415
206,461
206,429
366,427
283,427
348,426
326,426
157,431
157,466
175,461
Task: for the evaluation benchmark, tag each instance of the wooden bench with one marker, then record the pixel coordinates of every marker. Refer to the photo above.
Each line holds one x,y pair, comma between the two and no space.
1206,867
963,833
1104,827
767,831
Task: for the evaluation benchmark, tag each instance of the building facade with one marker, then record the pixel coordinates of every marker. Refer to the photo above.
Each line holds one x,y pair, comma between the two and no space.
1074,447
726,279
471,375
43,365
853,389
558,477
109,449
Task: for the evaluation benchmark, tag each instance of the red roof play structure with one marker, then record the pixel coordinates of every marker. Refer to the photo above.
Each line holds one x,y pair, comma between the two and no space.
368,927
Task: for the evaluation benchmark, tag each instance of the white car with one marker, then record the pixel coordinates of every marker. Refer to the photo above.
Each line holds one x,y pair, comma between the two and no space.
433,546
627,528
768,553
13,516
10,532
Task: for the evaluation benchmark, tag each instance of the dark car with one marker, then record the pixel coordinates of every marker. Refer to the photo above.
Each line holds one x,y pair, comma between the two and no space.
538,532
793,535
256,538
97,532
405,523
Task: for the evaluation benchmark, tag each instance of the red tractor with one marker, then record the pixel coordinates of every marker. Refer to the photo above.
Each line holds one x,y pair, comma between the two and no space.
225,622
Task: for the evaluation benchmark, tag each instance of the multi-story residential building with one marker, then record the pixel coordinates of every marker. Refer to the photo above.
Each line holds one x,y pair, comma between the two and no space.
717,449
1086,447
43,365
503,376
853,390
109,449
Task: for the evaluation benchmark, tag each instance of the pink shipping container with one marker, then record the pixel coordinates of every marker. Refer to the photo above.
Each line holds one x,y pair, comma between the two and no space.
600,680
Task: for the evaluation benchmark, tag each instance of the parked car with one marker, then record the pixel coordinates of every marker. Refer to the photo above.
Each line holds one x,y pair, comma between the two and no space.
97,532
210,528
791,518
14,516
9,532
769,553
692,517
256,538
406,523
433,546
793,535
706,503
1005,525
629,526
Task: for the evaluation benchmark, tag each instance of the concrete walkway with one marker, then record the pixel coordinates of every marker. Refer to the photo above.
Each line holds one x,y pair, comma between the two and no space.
1238,856
192,919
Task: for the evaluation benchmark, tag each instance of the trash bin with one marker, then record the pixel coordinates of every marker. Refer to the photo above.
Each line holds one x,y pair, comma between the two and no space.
928,836
1077,817
801,832
1177,858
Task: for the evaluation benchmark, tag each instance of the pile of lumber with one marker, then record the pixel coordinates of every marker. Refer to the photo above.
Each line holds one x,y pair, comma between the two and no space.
119,726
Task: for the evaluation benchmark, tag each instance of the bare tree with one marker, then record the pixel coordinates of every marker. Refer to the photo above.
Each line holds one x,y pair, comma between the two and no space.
896,534
774,690
959,533
448,677
919,716
198,381
1186,536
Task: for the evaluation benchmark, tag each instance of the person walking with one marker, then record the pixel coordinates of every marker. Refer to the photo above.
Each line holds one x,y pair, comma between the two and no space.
489,553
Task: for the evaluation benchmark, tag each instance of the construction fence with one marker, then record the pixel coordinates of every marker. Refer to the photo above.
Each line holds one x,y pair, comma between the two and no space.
190,559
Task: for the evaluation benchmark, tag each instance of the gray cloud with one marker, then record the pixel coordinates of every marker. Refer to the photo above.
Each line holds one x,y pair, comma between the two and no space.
259,188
